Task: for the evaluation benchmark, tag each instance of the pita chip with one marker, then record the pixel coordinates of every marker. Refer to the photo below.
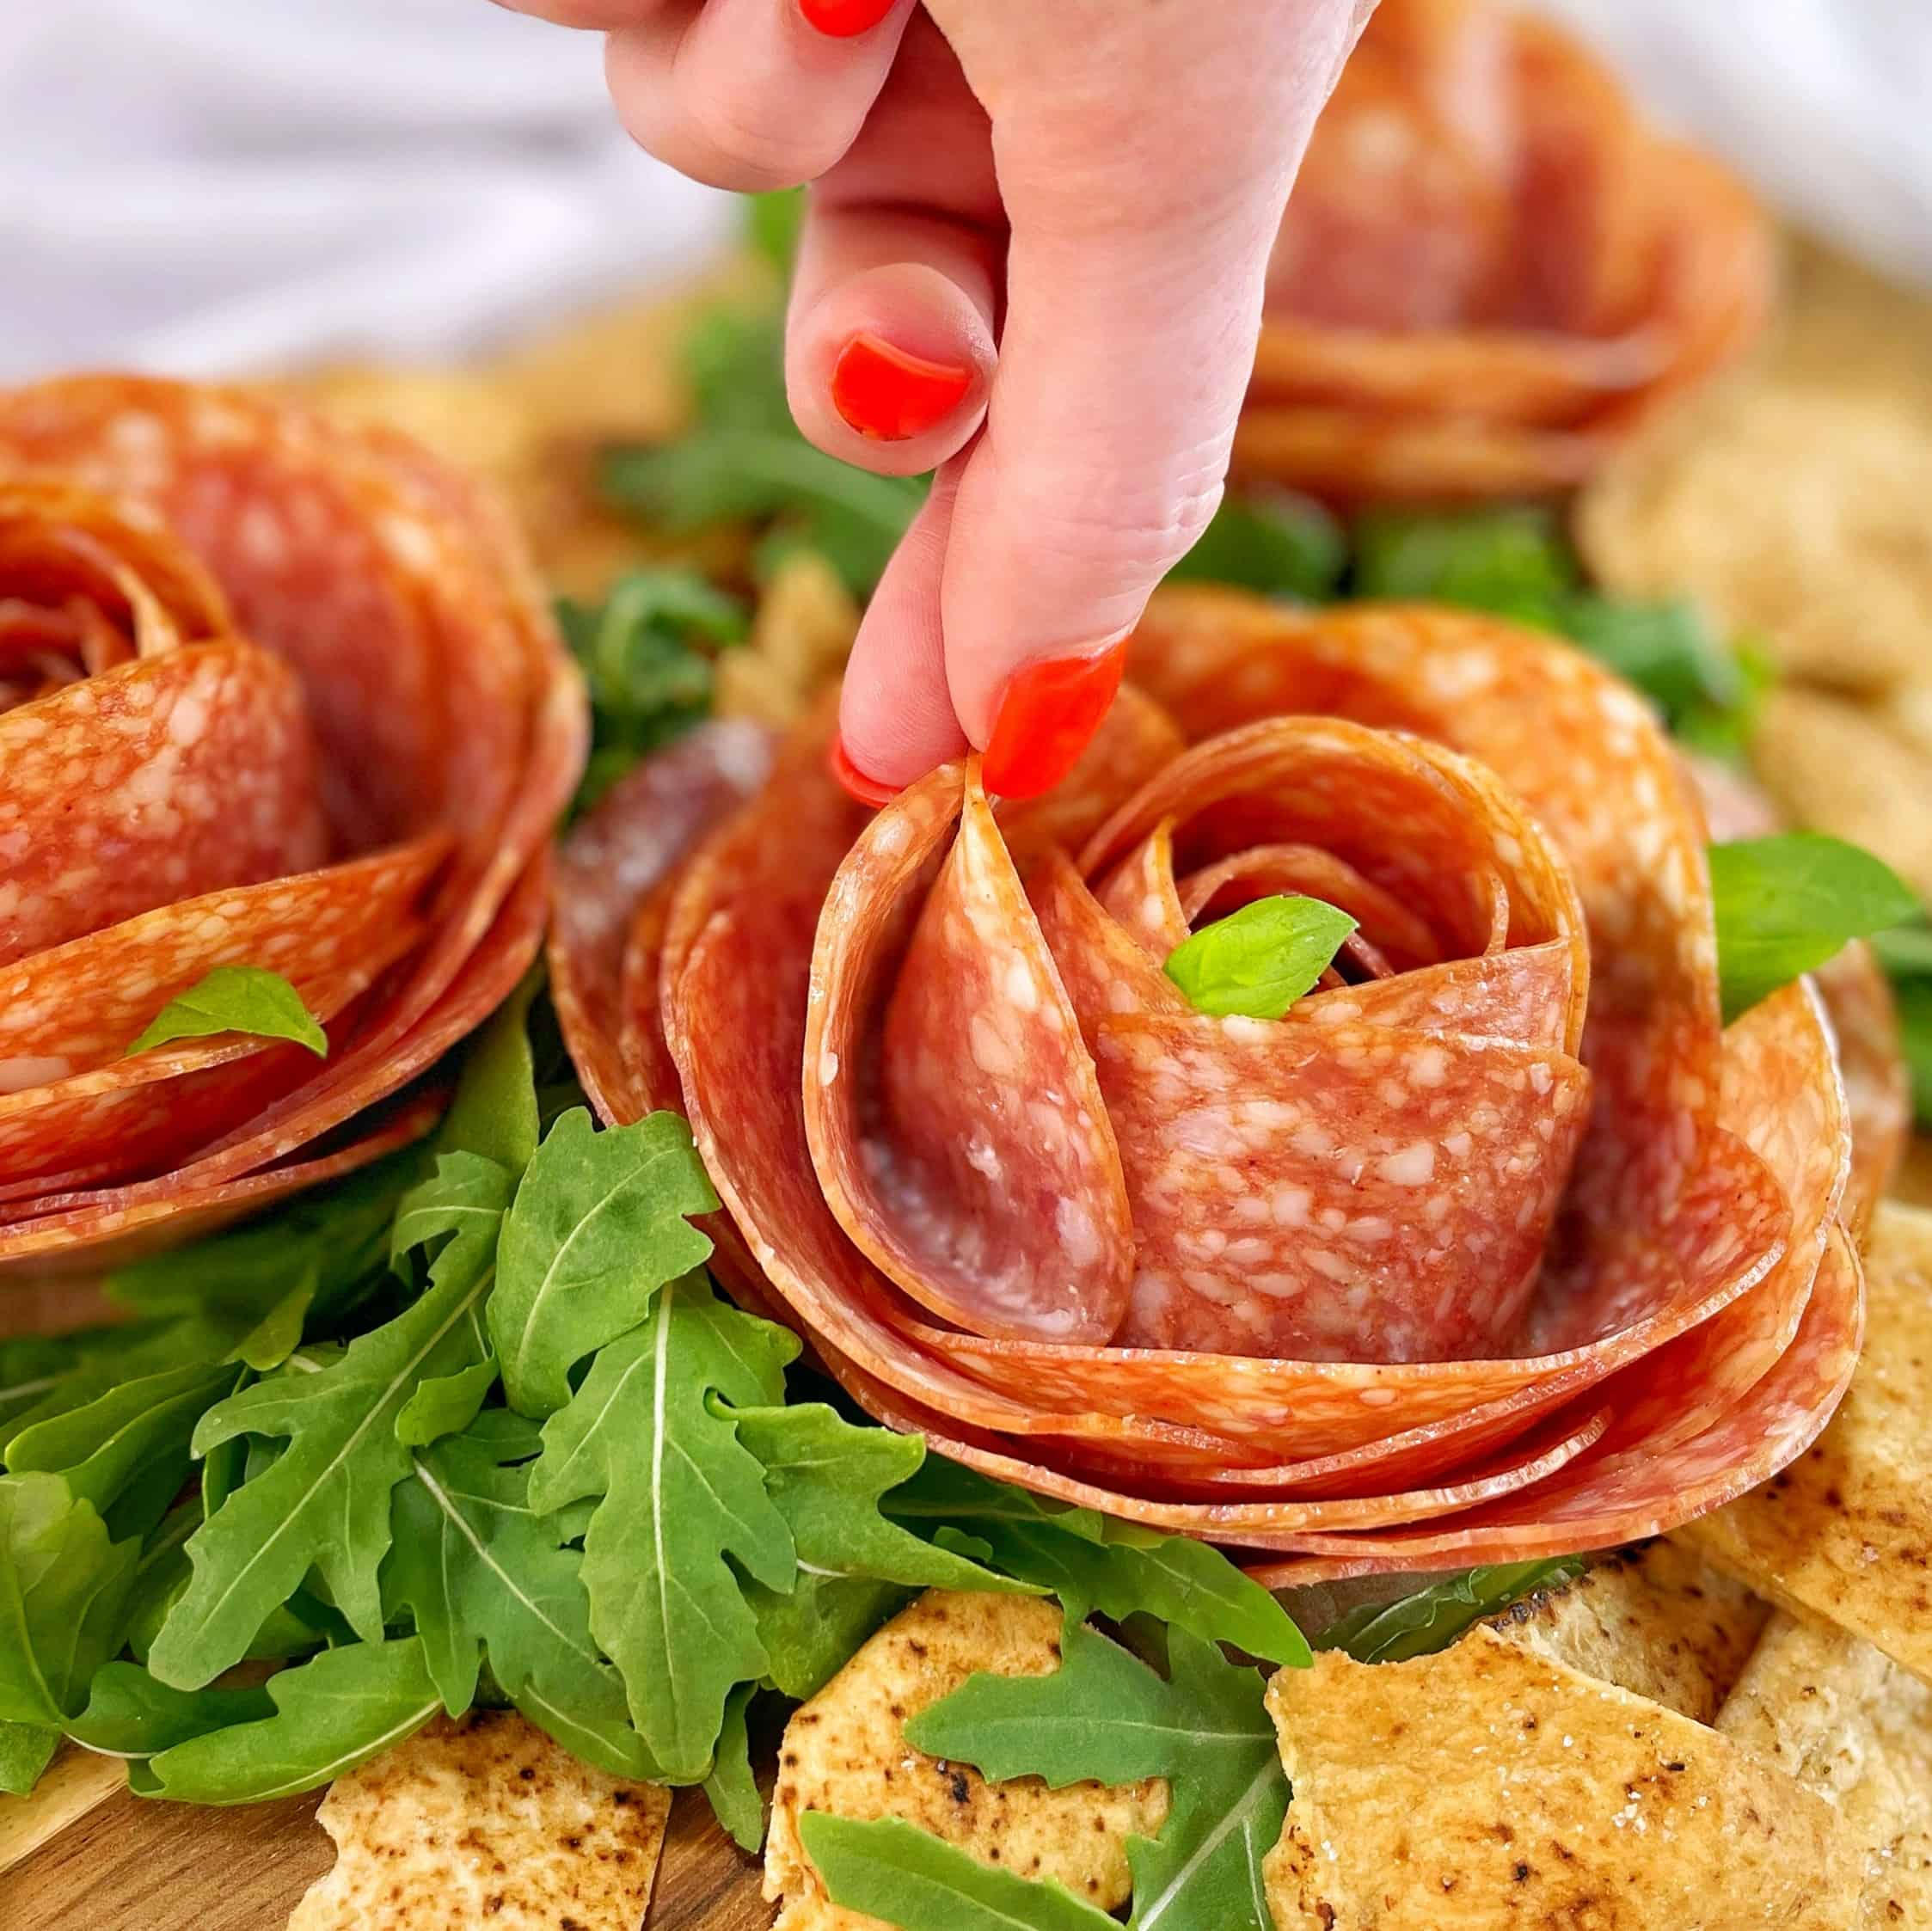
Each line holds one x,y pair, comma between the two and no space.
1487,1786
486,1821
1844,1535
845,1751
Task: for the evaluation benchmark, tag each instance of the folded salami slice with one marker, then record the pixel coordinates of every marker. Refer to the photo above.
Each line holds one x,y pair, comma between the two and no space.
1490,269
1492,1240
274,692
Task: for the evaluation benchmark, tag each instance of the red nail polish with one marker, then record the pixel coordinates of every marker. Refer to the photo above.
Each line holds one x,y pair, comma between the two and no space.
1047,715
888,395
842,19
867,790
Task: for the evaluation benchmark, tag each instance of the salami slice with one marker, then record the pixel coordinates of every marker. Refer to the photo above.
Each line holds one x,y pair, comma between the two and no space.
1490,269
1494,1241
312,716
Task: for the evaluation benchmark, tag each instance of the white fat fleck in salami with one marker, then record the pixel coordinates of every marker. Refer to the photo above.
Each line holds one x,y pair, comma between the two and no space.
980,1172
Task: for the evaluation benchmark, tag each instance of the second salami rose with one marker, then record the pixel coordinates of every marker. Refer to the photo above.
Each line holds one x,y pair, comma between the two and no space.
1490,1242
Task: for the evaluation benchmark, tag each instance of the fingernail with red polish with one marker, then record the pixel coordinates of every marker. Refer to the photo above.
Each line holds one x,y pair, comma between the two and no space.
867,790
1047,715
842,19
888,395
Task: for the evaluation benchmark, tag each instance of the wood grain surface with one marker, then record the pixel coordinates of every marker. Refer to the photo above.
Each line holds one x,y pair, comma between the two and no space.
130,1865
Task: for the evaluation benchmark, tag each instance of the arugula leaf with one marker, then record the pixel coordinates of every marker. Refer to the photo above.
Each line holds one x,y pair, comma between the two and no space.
680,1499
235,999
1092,1561
903,1876
330,1242
1666,649
727,473
466,1198
325,1499
64,1589
1434,1616
1787,904
1269,540
646,652
731,1790
493,1113
30,1367
101,1447
26,1749
331,1712
600,1223
277,1335
484,1574
772,221
734,361
1103,1714
131,1713
1510,559
826,1476
1259,960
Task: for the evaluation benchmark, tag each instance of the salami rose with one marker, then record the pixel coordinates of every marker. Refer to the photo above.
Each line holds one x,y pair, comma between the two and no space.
273,693
1493,1242
1490,269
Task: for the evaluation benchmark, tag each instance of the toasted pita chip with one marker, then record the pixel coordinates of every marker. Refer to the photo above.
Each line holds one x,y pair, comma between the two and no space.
845,1751
1486,1786
486,1821
1793,508
1838,767
1845,1533
805,623
1828,1709
1656,1621
465,416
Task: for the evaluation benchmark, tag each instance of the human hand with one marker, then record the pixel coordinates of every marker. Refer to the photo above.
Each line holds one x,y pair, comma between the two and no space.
1033,260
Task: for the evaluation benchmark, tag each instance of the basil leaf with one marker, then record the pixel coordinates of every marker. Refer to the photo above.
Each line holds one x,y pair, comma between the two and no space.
1259,960
1269,540
1666,649
731,1789
1906,952
26,1749
906,1877
235,999
331,1712
1433,1617
601,1222
1786,903
680,1500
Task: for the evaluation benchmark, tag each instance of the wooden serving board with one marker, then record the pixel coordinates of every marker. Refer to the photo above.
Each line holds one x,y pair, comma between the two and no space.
127,1864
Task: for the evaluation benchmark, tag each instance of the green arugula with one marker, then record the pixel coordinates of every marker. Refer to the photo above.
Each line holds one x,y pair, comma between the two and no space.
131,1713
1097,1563
1786,905
827,1476
647,654
324,1501
680,1500
64,1589
772,223
483,1574
1259,960
1271,541
331,1712
731,1789
906,1877
493,1112
1514,562
235,999
604,1222
26,1749
1434,1616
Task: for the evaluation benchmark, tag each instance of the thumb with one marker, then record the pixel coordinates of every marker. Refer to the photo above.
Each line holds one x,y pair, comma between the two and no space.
1134,289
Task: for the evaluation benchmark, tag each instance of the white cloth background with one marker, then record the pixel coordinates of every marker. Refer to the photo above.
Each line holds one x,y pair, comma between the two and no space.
202,186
